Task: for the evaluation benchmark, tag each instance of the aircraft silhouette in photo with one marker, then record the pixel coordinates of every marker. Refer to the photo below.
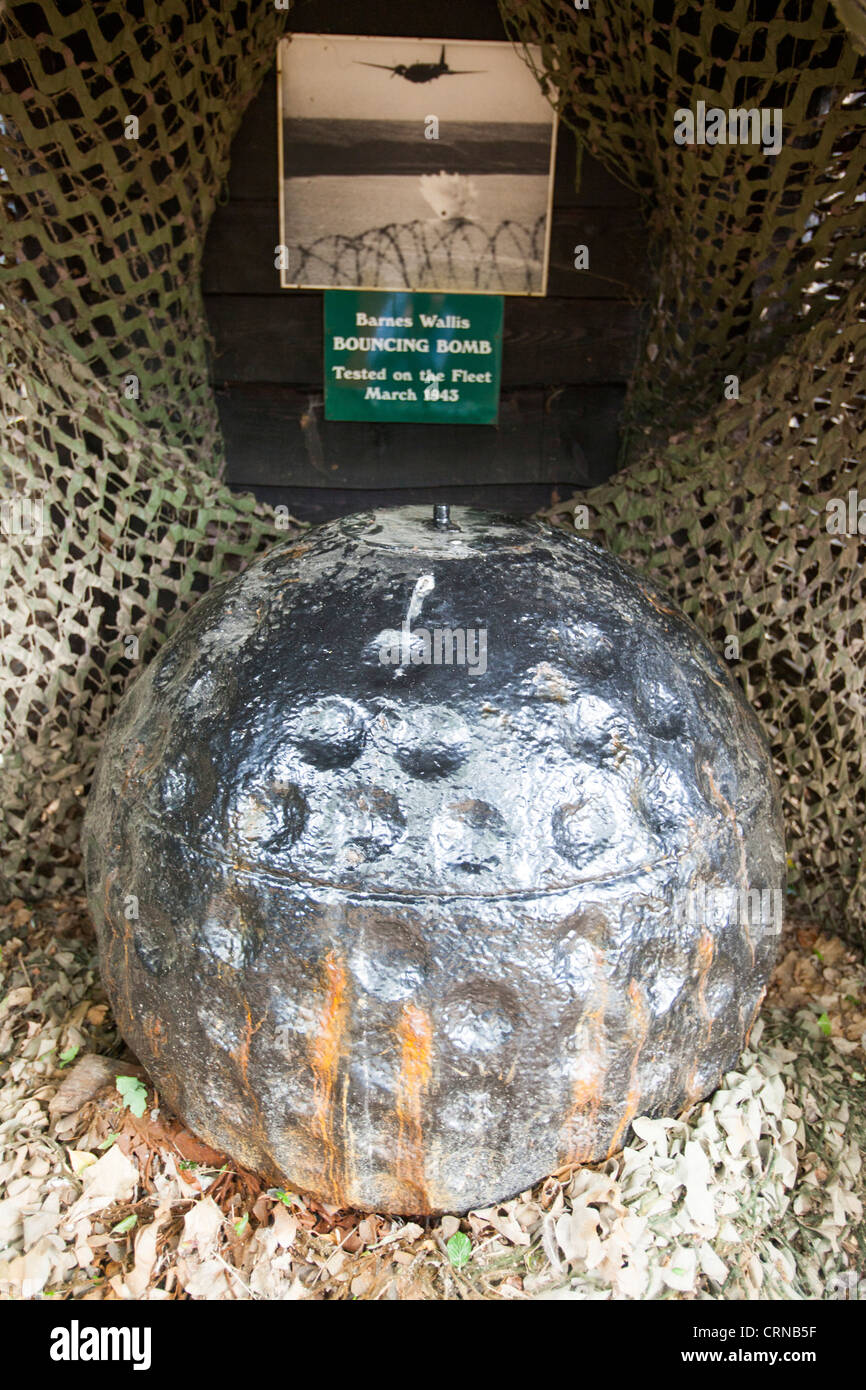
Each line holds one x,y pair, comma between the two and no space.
424,72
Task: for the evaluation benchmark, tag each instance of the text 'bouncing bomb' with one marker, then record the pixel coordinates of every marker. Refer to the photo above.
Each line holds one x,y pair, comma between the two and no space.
452,848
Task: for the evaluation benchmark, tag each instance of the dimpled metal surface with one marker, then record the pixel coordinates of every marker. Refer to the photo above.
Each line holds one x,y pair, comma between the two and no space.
404,935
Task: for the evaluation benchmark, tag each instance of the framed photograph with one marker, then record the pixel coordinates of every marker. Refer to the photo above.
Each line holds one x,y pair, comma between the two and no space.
413,164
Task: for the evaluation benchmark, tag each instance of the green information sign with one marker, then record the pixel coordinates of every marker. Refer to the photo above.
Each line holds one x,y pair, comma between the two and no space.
403,355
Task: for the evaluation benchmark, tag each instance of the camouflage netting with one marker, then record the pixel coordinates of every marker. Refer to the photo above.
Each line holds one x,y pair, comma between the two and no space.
758,264
759,273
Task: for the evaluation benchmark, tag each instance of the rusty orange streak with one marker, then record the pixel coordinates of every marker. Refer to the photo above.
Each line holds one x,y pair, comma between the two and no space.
242,1053
139,749
109,879
326,1049
657,604
731,814
241,1057
761,997
415,1035
587,1092
640,1026
706,950
152,1028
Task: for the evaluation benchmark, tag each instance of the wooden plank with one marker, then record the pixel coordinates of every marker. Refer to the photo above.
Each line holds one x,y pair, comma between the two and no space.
448,19
582,427
239,251
616,239
277,436
253,160
267,338
559,341
316,505
598,187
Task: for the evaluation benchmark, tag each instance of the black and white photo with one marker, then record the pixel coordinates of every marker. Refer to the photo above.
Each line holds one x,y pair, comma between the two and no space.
413,164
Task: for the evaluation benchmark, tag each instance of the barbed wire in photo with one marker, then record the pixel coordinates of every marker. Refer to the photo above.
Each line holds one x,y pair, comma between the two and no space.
458,254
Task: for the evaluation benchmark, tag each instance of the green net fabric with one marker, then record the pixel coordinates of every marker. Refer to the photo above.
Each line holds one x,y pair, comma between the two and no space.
109,419
758,274
133,531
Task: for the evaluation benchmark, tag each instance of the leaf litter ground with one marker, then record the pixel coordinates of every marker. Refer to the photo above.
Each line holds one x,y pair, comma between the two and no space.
755,1193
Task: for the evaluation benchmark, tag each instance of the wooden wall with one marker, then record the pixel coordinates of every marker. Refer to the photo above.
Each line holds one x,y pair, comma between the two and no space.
566,358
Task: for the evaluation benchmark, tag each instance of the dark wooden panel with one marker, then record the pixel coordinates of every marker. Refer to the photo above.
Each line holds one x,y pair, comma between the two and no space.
616,239
597,188
272,338
269,349
253,171
564,341
277,436
317,505
454,19
239,252
581,432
